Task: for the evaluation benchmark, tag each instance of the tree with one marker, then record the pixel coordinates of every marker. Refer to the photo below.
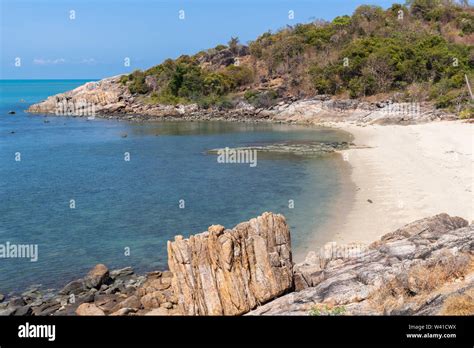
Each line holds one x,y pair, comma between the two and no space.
234,44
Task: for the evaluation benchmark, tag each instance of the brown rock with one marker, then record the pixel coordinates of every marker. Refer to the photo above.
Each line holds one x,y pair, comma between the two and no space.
158,311
97,276
232,271
89,309
152,300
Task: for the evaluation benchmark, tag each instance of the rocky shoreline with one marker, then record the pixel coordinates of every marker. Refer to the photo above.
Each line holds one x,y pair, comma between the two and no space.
423,268
109,99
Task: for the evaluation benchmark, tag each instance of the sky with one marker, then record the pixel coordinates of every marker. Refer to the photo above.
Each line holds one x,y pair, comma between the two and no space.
92,39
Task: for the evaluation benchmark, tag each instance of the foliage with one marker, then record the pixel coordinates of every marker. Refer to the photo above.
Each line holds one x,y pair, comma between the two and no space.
261,99
326,310
422,49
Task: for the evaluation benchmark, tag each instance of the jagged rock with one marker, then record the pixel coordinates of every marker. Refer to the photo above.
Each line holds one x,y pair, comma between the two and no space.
2,298
158,311
123,311
409,260
24,311
232,271
96,276
47,308
152,300
131,302
75,287
89,309
123,272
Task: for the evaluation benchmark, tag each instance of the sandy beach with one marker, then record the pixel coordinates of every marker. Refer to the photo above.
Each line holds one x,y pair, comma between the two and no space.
404,173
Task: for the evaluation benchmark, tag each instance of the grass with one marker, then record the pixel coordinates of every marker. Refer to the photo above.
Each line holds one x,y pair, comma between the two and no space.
462,304
419,281
327,310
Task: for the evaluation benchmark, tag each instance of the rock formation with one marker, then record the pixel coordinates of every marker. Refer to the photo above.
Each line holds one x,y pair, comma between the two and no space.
409,271
423,268
229,272
108,98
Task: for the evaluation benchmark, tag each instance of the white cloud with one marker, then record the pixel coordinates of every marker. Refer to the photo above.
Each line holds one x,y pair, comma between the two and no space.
88,61
40,61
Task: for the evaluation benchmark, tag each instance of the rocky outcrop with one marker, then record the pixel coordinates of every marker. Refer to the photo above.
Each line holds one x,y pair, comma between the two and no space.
423,268
101,97
109,98
409,271
229,272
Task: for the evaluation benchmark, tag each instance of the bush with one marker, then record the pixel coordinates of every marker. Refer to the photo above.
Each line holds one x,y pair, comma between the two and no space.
261,99
138,85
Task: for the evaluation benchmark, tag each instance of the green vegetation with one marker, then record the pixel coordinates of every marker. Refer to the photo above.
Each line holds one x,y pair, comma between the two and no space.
320,310
420,51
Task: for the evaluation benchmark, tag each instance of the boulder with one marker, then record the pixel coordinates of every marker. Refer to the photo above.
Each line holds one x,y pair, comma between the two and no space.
417,261
158,311
75,287
89,309
96,276
229,272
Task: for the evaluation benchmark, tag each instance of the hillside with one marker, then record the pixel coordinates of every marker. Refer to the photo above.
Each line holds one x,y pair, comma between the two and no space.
419,52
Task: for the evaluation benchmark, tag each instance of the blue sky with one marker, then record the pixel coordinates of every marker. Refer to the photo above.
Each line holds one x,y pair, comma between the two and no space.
105,32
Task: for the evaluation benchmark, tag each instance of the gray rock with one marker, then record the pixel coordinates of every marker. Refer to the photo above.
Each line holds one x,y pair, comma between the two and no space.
329,278
75,287
24,311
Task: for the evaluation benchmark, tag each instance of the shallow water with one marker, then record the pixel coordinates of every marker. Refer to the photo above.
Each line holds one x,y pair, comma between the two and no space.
136,204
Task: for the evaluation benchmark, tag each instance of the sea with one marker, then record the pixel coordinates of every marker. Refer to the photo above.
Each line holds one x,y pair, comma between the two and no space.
94,191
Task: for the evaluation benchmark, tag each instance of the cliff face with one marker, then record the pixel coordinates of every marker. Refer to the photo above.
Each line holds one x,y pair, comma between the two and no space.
229,272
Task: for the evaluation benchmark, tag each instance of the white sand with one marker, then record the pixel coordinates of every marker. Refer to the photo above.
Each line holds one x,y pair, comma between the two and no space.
409,172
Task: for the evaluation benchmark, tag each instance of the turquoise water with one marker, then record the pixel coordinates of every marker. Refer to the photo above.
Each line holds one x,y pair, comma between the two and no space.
136,204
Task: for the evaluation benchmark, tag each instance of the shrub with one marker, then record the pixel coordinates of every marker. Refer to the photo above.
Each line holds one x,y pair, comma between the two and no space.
462,304
138,85
261,99
327,310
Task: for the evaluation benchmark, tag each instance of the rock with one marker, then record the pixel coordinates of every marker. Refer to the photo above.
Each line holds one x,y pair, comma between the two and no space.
47,308
75,287
96,276
123,311
107,302
89,309
158,311
123,272
152,300
410,260
16,302
2,298
229,272
167,305
23,311
131,302
11,112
